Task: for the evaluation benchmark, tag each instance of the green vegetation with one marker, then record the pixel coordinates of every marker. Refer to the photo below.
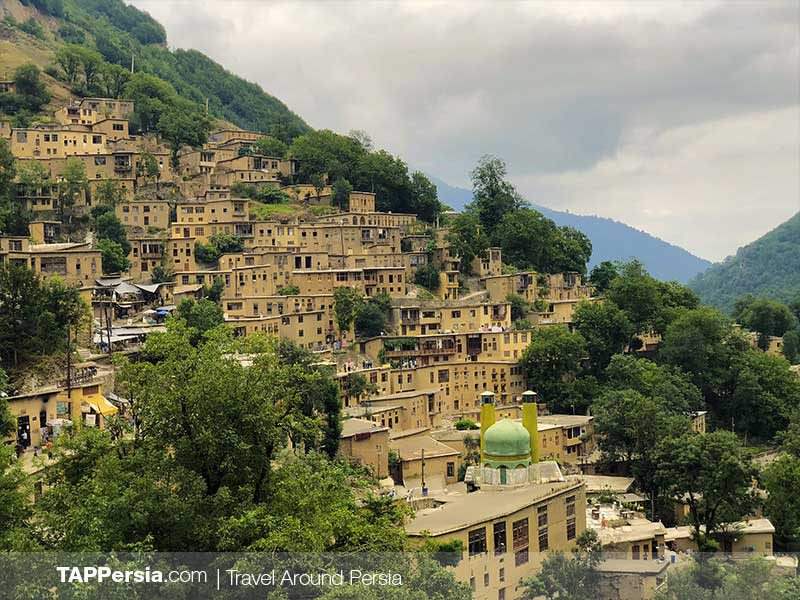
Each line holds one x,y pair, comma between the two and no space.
114,258
720,579
29,96
464,424
568,577
351,159
114,33
768,267
499,216
266,195
218,244
428,277
289,290
35,315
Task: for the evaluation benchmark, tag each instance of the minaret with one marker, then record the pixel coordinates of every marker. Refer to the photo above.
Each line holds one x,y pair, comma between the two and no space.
530,418
487,415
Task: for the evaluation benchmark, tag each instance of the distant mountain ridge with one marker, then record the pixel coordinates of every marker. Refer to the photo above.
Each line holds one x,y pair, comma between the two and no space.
769,266
611,240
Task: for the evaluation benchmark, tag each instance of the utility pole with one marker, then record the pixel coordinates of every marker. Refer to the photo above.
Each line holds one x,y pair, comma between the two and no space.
69,364
424,487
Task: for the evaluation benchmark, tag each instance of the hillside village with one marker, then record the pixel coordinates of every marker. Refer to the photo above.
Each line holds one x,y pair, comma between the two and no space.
219,339
443,359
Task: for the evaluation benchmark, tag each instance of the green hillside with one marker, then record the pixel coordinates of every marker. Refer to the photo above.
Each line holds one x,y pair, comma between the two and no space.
120,32
769,266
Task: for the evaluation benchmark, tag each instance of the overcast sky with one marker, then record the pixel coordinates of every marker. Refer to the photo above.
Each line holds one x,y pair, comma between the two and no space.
679,119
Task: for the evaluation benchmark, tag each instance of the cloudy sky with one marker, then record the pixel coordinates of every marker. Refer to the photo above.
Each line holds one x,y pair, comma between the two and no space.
679,119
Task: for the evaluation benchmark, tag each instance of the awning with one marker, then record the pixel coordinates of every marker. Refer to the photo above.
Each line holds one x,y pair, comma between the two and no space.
103,406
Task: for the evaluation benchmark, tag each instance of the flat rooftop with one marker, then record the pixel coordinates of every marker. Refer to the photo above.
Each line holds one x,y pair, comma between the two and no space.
463,510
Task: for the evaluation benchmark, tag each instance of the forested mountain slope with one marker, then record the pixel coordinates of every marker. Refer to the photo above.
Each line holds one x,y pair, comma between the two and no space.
122,33
611,240
769,266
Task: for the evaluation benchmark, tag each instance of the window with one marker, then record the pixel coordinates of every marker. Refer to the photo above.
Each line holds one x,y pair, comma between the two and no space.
477,541
519,533
501,575
635,552
570,505
542,515
544,542
571,528
500,537
451,469
520,557
501,594
485,580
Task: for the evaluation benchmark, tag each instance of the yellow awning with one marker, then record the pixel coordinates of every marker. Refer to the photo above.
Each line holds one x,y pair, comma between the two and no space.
104,407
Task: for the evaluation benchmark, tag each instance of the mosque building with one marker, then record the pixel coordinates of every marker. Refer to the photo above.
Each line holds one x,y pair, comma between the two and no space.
513,510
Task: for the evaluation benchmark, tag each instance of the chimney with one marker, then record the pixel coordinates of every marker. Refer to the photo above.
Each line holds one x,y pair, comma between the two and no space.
530,418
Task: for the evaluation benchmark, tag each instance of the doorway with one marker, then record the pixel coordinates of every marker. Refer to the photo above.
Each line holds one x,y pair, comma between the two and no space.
24,431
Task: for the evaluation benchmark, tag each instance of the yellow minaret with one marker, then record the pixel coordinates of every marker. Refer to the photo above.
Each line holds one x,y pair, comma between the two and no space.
530,418
487,414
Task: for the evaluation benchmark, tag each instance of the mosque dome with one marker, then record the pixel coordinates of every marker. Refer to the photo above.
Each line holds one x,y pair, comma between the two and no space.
507,438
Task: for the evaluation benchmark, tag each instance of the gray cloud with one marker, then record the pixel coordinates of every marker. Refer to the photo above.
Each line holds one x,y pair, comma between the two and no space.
659,114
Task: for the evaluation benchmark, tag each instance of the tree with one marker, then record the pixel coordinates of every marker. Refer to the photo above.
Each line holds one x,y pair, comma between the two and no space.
14,506
109,192
791,346
71,185
318,181
113,79
109,227
181,128
629,427
493,196
428,277
270,146
519,307
764,316
387,176
35,314
529,240
324,151
424,198
782,506
713,474
113,256
606,330
289,290
30,87
162,273
552,362
68,58
671,388
467,239
370,320
341,193
200,316
758,394
602,275
150,169
346,304
638,294
700,343
91,65
565,577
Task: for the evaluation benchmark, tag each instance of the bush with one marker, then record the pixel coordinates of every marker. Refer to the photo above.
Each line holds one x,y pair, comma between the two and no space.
289,290
464,424
428,277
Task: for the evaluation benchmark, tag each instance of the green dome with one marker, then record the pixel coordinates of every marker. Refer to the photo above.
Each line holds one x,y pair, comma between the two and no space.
507,438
